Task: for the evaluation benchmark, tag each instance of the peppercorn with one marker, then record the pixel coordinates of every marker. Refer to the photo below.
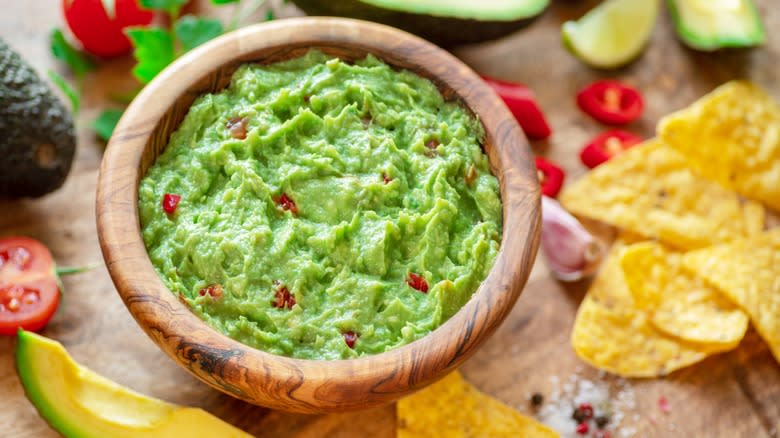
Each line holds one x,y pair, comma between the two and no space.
537,399
602,420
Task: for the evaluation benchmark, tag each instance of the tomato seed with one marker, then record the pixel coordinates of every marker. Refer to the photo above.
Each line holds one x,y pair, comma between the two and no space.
30,297
18,256
14,304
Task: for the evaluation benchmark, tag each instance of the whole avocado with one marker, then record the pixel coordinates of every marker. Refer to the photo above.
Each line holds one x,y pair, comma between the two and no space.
37,137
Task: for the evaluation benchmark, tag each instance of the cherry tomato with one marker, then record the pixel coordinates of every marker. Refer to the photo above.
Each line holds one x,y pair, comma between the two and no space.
550,175
29,289
521,102
611,102
101,32
606,145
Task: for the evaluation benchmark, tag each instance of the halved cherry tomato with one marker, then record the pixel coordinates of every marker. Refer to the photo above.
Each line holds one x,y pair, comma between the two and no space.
101,31
29,289
606,145
521,102
550,175
611,102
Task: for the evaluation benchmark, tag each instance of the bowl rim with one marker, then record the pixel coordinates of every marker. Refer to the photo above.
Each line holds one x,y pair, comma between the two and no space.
304,385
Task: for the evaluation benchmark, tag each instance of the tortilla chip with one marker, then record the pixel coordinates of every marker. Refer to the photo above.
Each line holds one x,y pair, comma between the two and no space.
748,273
452,407
679,303
613,334
732,136
650,190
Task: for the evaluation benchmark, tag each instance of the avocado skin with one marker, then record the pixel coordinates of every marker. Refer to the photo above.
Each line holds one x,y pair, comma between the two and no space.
30,116
444,31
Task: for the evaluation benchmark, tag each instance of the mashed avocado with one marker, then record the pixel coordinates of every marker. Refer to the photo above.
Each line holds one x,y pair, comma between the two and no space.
328,210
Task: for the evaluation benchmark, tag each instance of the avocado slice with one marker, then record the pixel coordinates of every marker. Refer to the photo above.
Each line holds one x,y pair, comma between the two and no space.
37,138
445,22
81,404
709,25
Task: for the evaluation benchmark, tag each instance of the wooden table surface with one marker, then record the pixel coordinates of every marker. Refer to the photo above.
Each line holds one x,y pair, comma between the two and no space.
734,394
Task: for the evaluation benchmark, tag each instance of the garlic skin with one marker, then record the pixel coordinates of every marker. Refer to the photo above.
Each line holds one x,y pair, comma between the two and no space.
569,250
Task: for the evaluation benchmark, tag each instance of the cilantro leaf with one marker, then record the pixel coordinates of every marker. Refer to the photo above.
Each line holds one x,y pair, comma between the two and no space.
106,122
153,51
64,86
269,15
170,6
78,62
193,31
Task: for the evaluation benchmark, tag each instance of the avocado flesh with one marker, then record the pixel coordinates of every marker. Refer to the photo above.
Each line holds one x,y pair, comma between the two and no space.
37,137
79,403
713,24
445,22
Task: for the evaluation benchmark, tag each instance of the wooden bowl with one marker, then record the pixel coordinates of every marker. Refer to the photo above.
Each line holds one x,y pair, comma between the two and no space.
280,382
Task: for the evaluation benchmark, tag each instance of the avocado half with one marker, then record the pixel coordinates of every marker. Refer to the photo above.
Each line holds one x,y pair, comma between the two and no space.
81,404
37,137
445,22
709,25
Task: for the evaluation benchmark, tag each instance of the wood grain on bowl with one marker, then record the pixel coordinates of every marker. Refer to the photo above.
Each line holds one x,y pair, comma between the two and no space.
280,382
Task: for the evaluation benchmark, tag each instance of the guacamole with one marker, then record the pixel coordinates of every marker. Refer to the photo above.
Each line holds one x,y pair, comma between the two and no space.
319,209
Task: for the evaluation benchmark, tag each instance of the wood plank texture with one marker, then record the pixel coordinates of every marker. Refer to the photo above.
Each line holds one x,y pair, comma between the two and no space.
735,394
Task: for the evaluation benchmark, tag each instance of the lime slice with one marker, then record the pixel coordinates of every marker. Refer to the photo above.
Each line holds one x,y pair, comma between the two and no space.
613,33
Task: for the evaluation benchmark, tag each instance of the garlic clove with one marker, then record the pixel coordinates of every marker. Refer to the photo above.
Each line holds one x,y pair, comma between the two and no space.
570,251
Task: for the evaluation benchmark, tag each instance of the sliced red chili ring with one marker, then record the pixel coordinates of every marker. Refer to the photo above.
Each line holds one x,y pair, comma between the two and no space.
550,175
521,102
606,145
611,102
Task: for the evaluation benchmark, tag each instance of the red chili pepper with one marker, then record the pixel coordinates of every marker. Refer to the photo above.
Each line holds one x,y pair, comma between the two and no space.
417,282
212,290
286,203
350,338
521,102
606,145
611,102
550,177
170,202
283,298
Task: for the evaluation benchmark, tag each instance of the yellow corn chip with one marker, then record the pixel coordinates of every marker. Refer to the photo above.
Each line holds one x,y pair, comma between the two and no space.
732,136
650,190
613,334
747,272
678,303
454,408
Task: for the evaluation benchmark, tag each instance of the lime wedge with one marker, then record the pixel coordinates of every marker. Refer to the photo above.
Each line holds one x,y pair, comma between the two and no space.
613,33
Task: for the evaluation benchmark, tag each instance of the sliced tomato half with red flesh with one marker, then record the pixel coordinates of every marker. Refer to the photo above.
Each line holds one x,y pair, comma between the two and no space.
29,290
